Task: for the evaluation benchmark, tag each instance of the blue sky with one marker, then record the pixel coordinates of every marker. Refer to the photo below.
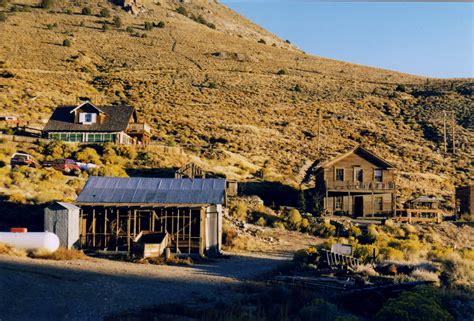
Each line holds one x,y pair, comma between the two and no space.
423,38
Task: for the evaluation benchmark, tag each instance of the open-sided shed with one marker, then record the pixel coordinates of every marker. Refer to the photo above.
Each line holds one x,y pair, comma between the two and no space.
114,210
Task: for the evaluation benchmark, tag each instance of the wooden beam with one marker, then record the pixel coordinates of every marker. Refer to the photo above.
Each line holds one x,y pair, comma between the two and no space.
202,232
93,227
189,236
105,228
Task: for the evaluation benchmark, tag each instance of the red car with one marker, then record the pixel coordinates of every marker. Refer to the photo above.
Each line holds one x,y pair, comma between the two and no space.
66,166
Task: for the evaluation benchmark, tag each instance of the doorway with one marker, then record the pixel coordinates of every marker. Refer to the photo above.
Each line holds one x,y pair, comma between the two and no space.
358,206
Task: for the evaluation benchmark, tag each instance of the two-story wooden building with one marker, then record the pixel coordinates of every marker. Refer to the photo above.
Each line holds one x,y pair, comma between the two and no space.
88,123
357,183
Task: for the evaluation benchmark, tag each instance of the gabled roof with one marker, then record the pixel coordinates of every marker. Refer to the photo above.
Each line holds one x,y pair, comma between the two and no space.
361,152
149,190
58,205
116,120
87,103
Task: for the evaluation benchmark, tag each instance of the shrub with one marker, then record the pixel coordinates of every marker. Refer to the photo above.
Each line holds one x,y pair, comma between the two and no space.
182,10
67,43
86,11
281,72
297,88
321,310
61,254
118,23
11,251
148,25
293,219
239,210
4,3
421,304
88,155
3,17
46,4
105,27
261,221
105,13
354,231
129,29
161,24
324,229
365,252
68,11
262,41
278,225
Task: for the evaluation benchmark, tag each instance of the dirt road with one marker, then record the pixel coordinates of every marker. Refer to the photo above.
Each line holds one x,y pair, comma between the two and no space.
32,289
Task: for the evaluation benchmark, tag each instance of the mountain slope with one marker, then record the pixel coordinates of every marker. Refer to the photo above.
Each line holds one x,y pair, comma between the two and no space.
224,95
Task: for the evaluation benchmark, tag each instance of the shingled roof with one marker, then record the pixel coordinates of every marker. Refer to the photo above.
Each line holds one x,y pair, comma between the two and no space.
150,190
116,120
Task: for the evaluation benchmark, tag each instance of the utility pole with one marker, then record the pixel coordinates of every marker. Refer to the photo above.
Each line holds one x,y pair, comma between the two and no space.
444,132
454,131
319,131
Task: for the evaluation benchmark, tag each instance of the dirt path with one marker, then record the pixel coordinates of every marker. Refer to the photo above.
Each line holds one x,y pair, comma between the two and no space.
32,289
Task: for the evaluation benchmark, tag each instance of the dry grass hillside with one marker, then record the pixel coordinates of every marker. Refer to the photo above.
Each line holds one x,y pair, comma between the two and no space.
228,91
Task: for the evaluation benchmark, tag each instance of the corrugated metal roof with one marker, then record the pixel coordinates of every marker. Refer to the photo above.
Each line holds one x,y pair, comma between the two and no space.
146,190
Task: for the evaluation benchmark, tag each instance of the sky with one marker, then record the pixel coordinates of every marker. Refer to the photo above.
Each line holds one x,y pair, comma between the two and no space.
422,38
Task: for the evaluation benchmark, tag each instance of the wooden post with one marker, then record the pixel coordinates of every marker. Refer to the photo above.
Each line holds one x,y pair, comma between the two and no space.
189,236
117,229
202,232
177,231
134,223
105,228
129,214
93,227
81,227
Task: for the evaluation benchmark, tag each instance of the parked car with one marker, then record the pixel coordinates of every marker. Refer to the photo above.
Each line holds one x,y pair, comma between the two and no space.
22,159
66,166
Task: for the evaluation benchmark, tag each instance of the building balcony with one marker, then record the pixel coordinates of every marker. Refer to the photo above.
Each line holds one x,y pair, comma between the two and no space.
359,186
138,128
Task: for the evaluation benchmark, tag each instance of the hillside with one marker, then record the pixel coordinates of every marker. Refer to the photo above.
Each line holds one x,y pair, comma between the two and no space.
236,97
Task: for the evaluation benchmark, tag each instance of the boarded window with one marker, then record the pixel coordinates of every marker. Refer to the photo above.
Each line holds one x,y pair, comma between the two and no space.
338,201
378,175
339,174
379,203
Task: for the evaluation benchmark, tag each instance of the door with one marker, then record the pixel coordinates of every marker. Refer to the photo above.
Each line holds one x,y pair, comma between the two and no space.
358,206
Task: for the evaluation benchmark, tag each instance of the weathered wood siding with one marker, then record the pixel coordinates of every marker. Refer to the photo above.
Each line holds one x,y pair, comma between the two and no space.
352,161
368,203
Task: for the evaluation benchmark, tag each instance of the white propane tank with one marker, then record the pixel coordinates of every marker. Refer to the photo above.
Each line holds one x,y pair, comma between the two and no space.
31,240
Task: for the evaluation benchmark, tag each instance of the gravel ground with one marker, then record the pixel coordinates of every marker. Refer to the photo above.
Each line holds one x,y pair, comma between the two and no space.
33,289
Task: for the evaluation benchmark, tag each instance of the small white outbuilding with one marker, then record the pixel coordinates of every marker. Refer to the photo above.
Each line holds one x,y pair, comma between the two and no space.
62,219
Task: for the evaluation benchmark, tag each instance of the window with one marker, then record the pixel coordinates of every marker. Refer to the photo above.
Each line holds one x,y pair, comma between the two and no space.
338,201
88,118
378,175
358,174
378,203
340,174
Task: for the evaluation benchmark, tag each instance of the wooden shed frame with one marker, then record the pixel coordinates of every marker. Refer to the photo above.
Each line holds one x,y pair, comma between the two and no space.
114,226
